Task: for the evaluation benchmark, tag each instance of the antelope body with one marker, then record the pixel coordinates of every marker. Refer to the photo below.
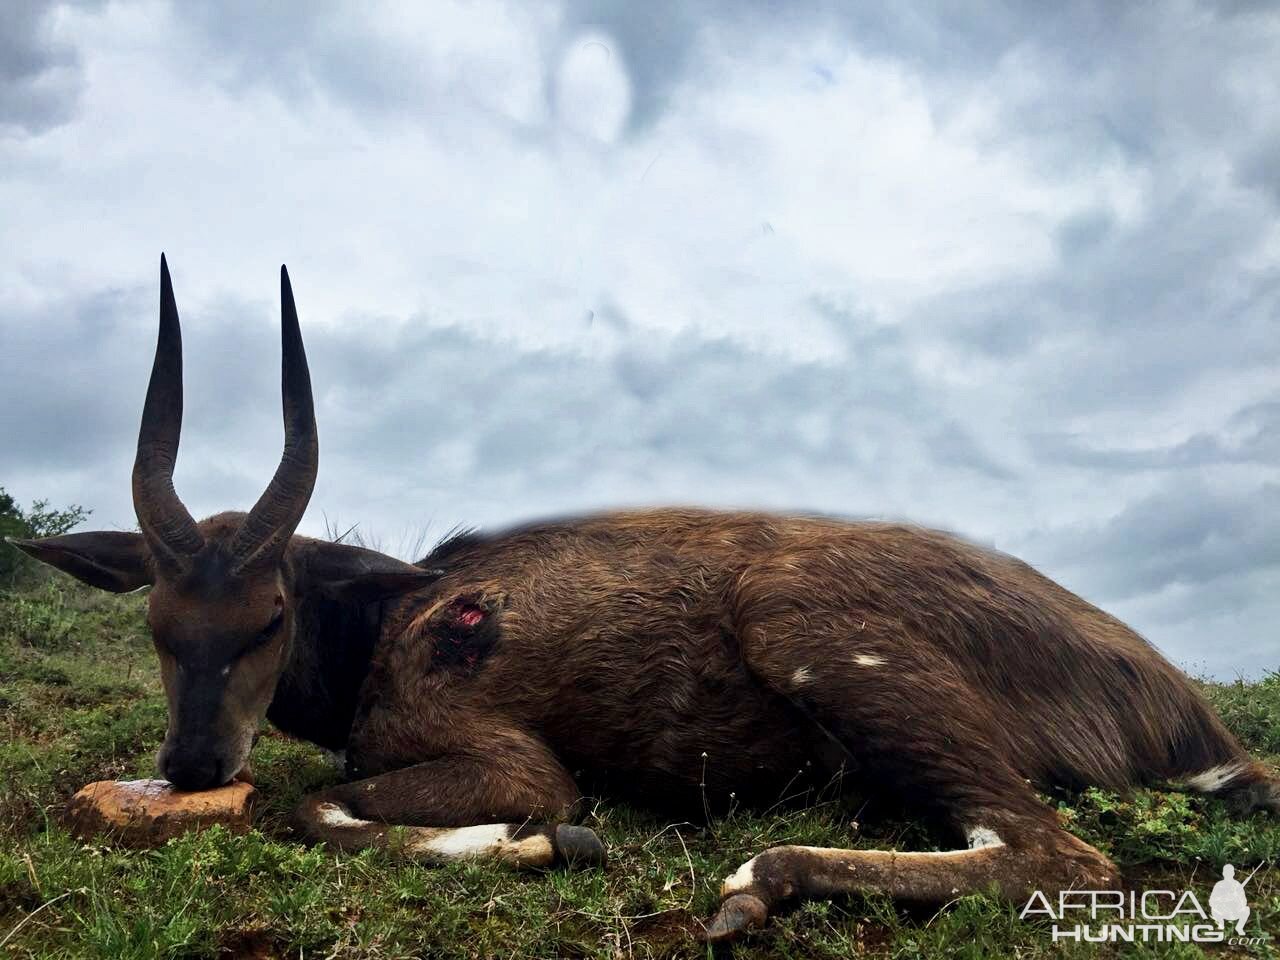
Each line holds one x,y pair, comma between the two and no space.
673,656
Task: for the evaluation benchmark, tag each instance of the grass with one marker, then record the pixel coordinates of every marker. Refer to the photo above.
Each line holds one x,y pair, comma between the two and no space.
80,701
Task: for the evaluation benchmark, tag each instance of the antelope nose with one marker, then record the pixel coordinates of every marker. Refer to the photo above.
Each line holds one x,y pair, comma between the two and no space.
194,772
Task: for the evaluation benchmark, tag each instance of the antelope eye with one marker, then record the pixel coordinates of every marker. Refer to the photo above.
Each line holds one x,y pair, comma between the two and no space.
265,635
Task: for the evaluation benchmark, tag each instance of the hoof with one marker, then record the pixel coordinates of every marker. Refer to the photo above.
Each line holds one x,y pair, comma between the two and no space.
738,915
579,846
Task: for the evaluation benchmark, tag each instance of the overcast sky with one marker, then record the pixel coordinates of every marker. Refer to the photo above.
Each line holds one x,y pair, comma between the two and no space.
1010,270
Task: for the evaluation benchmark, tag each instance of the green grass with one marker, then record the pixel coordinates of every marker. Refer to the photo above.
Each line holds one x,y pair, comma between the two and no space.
80,701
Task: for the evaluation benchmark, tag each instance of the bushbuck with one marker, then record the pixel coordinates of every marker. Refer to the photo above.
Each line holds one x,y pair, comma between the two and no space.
673,657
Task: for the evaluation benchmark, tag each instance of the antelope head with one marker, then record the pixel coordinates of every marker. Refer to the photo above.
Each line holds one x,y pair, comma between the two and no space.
226,591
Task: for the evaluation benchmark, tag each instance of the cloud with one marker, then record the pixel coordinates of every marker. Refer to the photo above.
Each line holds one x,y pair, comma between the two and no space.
1004,271
1194,562
41,76
449,66
1186,532
657,43
1250,435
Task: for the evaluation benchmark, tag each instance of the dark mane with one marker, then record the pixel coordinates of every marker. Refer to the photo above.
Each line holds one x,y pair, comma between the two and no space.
455,541
316,697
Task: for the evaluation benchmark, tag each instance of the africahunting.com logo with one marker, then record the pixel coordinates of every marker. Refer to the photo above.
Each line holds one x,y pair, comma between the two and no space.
1151,916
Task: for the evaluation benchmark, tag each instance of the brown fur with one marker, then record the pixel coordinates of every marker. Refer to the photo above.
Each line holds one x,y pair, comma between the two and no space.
649,638
675,654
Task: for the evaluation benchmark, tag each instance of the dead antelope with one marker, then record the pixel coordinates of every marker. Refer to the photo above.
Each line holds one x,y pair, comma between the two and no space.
644,655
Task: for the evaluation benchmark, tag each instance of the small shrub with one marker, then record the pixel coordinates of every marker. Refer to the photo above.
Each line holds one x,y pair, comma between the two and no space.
1250,710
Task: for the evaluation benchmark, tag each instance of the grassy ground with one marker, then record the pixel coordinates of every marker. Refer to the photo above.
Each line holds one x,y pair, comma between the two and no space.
80,701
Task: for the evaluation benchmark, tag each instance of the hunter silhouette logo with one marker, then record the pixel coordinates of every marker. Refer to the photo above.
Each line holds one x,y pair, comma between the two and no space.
1150,916
1228,902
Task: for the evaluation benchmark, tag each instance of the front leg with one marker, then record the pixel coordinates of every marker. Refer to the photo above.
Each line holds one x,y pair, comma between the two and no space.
502,803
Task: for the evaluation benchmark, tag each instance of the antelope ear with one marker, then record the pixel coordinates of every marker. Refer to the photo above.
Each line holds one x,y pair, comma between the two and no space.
107,559
360,575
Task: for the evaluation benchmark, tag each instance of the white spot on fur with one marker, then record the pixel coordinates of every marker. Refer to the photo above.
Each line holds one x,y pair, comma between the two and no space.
225,670
982,837
332,815
467,841
485,840
1215,778
741,880
801,676
455,843
867,660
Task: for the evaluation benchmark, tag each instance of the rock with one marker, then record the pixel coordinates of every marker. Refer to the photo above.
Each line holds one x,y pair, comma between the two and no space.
146,813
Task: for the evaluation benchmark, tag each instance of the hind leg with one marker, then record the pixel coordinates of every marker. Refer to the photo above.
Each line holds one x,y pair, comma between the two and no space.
1049,863
921,731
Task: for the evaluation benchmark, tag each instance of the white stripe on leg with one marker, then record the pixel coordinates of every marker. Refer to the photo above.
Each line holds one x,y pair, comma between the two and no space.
483,841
